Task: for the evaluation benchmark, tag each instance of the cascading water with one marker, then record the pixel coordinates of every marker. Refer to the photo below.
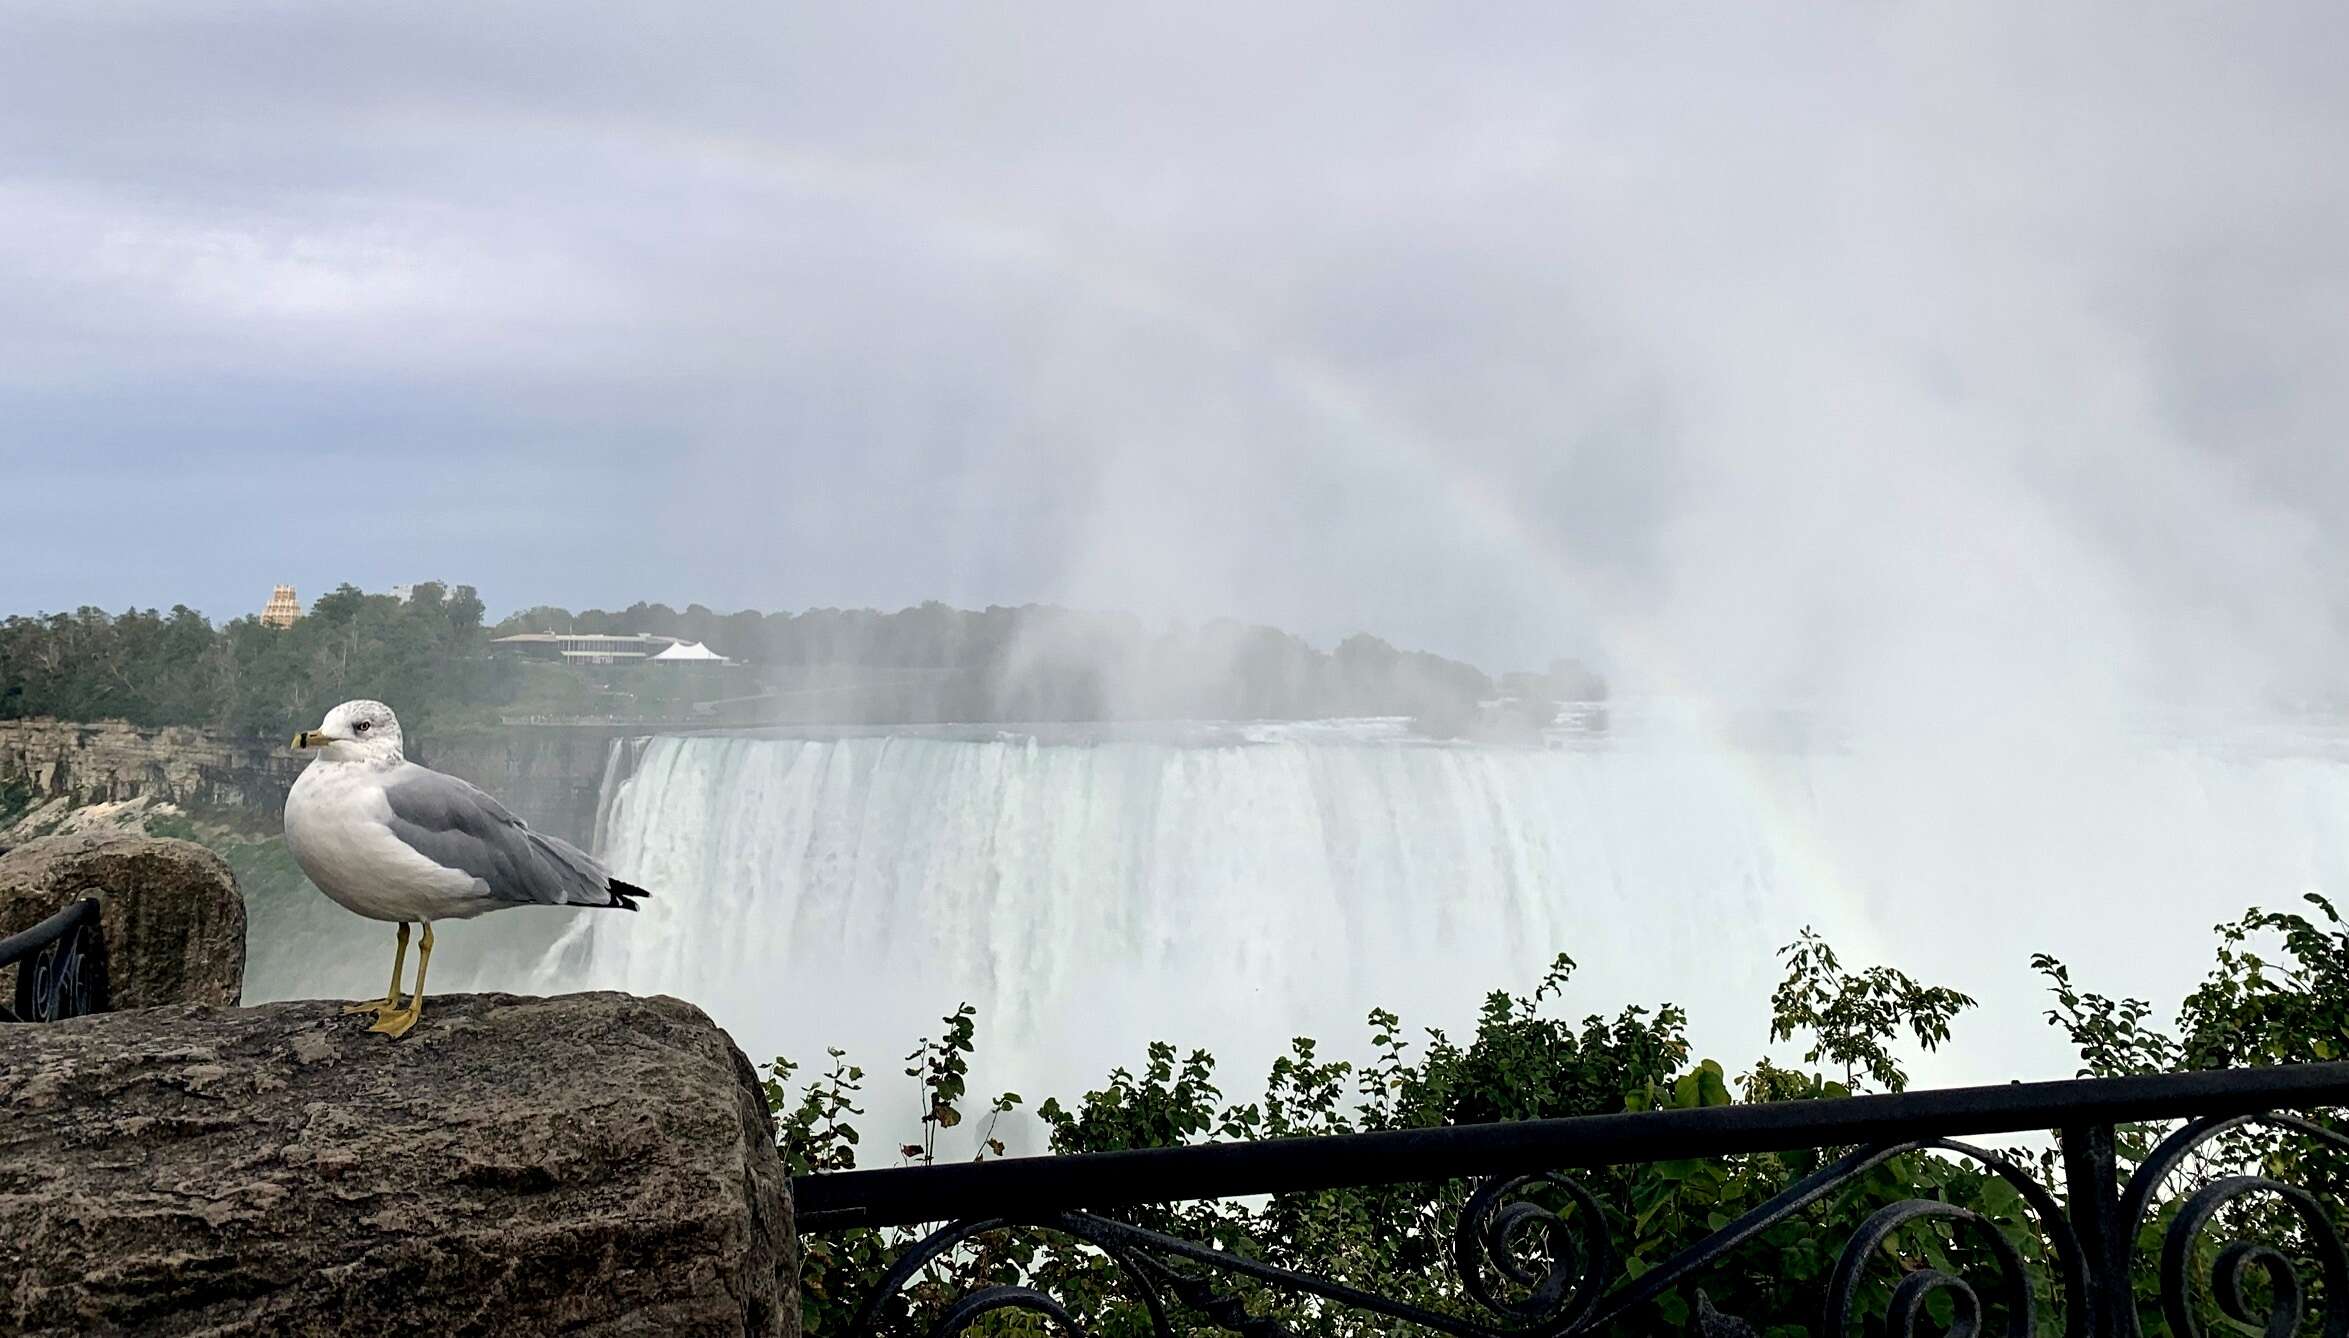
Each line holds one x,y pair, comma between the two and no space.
1233,887
1090,896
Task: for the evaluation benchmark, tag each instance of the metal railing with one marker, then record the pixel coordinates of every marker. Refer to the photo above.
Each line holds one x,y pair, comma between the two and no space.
1531,1246
60,966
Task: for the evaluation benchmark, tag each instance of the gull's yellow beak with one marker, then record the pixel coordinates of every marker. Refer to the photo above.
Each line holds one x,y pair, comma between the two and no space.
310,738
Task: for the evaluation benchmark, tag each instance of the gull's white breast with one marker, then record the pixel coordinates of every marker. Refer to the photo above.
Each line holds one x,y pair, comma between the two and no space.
338,826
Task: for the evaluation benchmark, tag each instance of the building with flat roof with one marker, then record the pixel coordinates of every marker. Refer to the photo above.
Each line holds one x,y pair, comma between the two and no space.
585,647
282,610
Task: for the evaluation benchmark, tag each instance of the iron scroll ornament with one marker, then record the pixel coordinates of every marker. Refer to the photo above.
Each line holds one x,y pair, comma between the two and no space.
60,966
2091,1257
1538,1271
2237,1259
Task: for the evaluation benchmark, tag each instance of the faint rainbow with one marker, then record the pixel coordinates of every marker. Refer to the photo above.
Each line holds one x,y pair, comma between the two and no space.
1479,508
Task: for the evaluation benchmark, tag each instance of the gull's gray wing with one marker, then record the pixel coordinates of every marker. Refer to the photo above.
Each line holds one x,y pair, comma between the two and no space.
457,826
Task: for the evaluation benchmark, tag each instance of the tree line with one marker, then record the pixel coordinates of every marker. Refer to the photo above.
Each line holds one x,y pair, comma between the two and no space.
428,654
1039,662
431,656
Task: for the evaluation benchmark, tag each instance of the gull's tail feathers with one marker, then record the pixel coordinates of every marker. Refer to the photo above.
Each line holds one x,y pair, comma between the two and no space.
624,895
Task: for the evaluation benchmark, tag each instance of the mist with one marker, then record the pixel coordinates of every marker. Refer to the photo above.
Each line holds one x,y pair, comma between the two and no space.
1864,355
1963,378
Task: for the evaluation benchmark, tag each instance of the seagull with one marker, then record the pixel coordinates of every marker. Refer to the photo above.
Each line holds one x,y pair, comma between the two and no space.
393,841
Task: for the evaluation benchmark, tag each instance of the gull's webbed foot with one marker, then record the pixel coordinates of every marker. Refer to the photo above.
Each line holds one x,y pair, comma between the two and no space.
379,1007
396,1024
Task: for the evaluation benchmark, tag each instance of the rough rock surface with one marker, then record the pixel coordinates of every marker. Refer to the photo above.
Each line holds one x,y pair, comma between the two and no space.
589,1164
175,926
107,761
549,775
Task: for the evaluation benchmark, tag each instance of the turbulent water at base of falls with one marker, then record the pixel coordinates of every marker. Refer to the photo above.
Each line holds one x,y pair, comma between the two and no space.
1090,891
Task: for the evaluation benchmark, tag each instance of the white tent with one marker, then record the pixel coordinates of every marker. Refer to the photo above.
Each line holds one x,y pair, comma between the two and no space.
684,652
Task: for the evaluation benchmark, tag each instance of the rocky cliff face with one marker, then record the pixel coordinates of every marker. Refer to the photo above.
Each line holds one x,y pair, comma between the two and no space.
549,775
110,761
593,1164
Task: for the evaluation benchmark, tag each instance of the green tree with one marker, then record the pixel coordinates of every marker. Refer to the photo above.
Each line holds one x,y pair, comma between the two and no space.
428,656
2278,993
1523,1062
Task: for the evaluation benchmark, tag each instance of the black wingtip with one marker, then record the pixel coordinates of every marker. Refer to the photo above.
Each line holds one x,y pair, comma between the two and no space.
624,895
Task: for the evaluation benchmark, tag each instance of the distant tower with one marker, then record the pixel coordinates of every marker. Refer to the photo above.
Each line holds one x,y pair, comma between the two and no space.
282,608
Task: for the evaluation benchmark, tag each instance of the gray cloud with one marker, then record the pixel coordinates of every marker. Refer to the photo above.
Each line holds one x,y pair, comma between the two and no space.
1875,354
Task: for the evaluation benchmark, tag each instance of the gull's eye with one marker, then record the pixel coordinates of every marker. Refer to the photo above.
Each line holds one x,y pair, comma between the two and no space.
362,726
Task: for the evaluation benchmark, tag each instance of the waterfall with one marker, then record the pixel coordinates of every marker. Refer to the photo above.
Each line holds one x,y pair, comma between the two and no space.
1090,891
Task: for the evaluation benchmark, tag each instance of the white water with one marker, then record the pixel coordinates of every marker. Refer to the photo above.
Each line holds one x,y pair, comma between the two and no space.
1232,888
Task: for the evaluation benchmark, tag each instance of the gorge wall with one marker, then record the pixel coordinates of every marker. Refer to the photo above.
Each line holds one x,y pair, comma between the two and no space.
549,775
109,761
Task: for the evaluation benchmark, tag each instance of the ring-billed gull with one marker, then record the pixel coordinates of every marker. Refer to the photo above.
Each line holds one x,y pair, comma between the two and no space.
390,840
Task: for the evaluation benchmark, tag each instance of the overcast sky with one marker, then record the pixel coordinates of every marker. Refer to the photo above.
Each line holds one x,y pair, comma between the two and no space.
1824,349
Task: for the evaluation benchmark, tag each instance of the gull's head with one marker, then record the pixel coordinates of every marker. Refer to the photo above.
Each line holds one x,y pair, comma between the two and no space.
356,732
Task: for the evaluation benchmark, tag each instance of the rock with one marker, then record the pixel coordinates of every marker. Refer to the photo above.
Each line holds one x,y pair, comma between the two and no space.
550,775
175,926
589,1164
107,761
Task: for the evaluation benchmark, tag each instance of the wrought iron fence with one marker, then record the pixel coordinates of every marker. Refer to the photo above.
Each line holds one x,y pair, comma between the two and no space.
60,966
1531,1247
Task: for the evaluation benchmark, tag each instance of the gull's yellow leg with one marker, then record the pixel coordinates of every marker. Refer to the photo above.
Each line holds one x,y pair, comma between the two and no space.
396,1024
391,1001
